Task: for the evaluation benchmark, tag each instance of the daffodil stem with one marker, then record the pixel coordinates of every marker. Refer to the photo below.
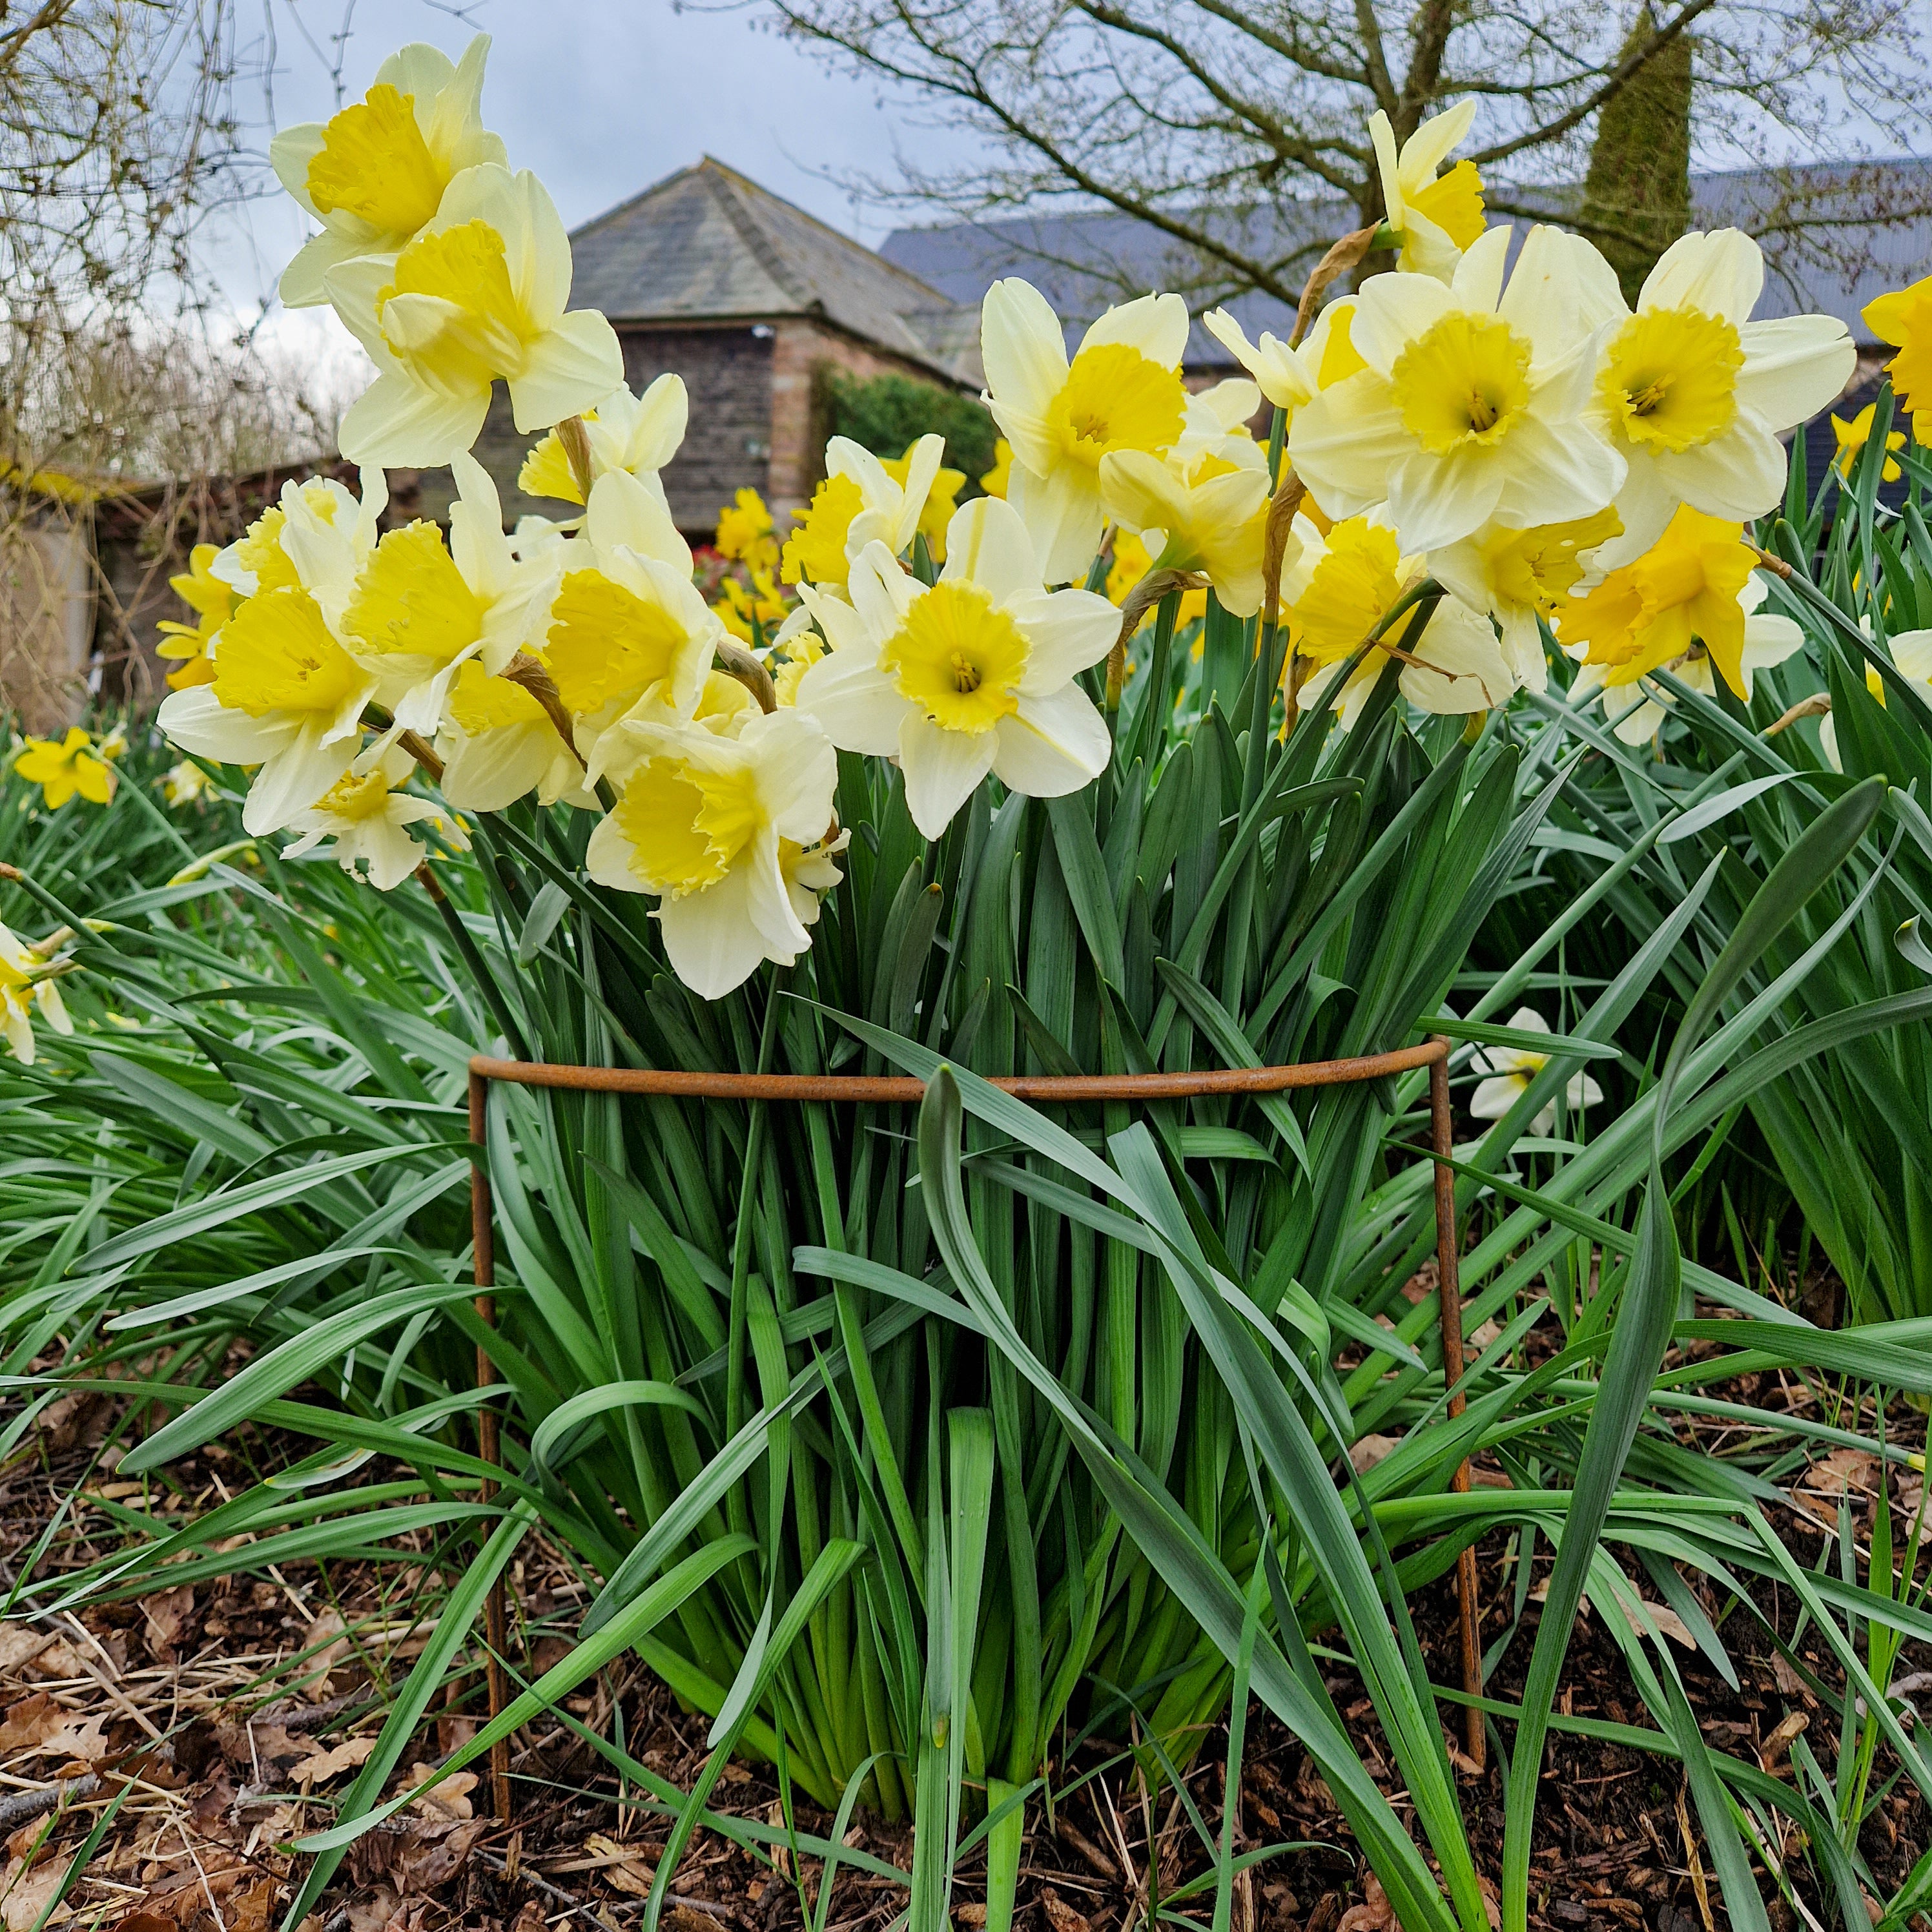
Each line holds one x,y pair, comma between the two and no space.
486,980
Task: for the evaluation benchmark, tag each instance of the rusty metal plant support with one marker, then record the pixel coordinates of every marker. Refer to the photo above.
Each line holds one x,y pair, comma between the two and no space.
1432,1054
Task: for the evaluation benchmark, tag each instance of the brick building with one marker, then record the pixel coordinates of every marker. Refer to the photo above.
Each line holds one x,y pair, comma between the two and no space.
754,303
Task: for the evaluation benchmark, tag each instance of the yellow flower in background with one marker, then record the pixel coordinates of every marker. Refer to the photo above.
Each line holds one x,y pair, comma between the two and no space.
1853,436
638,434
184,783
1121,390
815,552
745,532
942,497
1338,587
212,600
476,296
374,175
1437,216
995,481
1645,615
1903,318
26,982
75,765
750,612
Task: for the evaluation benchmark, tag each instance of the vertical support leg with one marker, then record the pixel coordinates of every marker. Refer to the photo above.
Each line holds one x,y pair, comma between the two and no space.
489,1446
1450,1295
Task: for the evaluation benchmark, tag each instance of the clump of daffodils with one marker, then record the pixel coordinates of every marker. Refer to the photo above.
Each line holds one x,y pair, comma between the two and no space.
1468,459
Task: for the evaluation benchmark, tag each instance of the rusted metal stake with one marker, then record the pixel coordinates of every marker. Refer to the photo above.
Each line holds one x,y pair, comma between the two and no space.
489,1445
1449,1288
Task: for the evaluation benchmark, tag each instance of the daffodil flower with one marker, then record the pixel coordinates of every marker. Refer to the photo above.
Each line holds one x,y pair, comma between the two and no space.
942,495
859,503
639,434
1511,1069
1437,217
1287,376
1911,656
26,983
1469,408
1690,584
375,174
184,783
1122,390
973,675
74,767
1341,585
745,533
211,600
367,817
1903,318
286,695
1518,575
1692,394
728,832
1210,517
994,482
320,508
498,745
421,611
1853,436
627,632
477,294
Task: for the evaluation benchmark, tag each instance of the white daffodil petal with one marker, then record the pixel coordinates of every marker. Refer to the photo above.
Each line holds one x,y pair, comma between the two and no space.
942,768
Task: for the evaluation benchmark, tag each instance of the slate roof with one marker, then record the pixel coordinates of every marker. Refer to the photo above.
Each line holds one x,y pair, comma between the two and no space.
1081,259
706,244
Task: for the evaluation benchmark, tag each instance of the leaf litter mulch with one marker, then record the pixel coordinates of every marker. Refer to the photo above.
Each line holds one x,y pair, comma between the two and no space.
173,1747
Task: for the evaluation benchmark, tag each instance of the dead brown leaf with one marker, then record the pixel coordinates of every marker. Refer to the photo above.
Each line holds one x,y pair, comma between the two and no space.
623,1866
448,1801
1059,1915
251,1911
374,1910
1366,1451
327,1631
346,1756
84,1739
27,1894
429,1861
164,1614
1375,1914
1843,1471
30,1720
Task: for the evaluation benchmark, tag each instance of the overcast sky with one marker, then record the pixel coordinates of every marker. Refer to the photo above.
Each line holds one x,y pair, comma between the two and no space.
601,97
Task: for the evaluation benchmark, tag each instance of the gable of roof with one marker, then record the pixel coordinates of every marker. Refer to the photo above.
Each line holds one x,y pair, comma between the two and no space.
707,245
1082,259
